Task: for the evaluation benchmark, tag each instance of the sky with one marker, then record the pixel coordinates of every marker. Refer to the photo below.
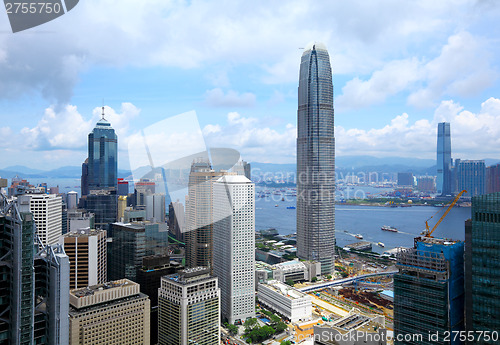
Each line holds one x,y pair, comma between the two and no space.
399,68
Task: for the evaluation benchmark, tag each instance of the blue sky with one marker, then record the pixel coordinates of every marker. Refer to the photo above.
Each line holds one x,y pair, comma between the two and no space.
398,69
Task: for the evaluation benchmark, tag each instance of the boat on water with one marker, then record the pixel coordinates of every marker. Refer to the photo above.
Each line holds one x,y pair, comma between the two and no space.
290,207
389,228
359,236
276,205
380,244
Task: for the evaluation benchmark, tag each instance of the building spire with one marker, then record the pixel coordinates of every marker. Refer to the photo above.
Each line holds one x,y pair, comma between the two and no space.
103,113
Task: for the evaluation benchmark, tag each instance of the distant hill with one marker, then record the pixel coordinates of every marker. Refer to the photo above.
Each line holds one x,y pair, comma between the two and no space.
344,165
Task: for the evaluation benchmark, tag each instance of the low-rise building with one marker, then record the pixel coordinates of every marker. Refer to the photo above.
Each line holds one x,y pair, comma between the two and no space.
285,300
354,329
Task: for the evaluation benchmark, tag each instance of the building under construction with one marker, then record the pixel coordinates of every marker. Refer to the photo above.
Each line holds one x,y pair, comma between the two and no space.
429,291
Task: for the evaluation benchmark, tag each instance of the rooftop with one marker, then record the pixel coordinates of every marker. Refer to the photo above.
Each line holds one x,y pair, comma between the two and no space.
284,289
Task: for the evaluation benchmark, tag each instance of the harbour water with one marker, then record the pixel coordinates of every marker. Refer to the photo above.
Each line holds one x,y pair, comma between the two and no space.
367,221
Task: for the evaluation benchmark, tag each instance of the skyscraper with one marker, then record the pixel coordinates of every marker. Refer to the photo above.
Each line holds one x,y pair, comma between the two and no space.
471,176
17,235
102,160
102,173
189,309
112,313
86,249
429,291
234,246
199,217
443,181
34,287
47,214
316,159
484,265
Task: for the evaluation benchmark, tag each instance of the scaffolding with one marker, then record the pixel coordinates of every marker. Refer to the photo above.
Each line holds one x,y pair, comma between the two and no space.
428,290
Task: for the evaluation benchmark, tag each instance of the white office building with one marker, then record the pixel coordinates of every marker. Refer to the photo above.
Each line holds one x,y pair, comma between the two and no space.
285,300
234,245
47,213
155,207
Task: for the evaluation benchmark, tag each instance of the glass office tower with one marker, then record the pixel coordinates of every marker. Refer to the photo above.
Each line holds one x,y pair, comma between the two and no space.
485,265
443,181
103,151
316,159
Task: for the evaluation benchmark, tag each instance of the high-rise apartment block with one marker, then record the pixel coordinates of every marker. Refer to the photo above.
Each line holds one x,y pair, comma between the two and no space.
316,159
471,176
113,313
199,215
444,163
493,179
234,246
87,252
426,184
429,290
483,266
405,179
47,214
189,308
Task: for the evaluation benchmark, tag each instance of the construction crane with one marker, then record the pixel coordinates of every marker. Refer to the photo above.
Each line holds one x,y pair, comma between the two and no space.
427,232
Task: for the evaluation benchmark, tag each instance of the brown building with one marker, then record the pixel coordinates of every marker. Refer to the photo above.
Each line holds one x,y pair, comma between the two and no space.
199,215
493,179
86,249
115,313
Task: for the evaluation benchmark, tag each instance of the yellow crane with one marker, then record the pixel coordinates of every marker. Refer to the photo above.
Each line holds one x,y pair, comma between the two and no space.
427,232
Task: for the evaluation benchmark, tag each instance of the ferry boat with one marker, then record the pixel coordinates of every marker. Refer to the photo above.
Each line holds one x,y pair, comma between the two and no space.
290,207
389,228
276,205
359,236
380,244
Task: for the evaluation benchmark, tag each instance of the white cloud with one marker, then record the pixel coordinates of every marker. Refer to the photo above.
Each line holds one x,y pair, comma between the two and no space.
255,142
463,68
474,135
394,77
217,98
192,34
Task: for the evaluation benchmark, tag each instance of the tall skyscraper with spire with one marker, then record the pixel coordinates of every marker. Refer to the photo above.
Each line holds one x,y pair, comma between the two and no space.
103,152
101,178
316,159
443,181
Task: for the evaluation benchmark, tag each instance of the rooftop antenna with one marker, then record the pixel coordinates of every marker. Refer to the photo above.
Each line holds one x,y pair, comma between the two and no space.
103,110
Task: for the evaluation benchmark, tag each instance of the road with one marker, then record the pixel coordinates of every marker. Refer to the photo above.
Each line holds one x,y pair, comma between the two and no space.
345,280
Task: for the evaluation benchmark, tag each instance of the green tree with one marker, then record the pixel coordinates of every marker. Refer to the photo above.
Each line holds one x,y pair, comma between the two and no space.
286,342
329,277
314,279
280,327
250,324
233,329
290,282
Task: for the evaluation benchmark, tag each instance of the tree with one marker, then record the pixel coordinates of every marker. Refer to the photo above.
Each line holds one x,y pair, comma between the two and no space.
286,342
290,282
329,277
275,319
280,327
314,279
233,329
250,324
